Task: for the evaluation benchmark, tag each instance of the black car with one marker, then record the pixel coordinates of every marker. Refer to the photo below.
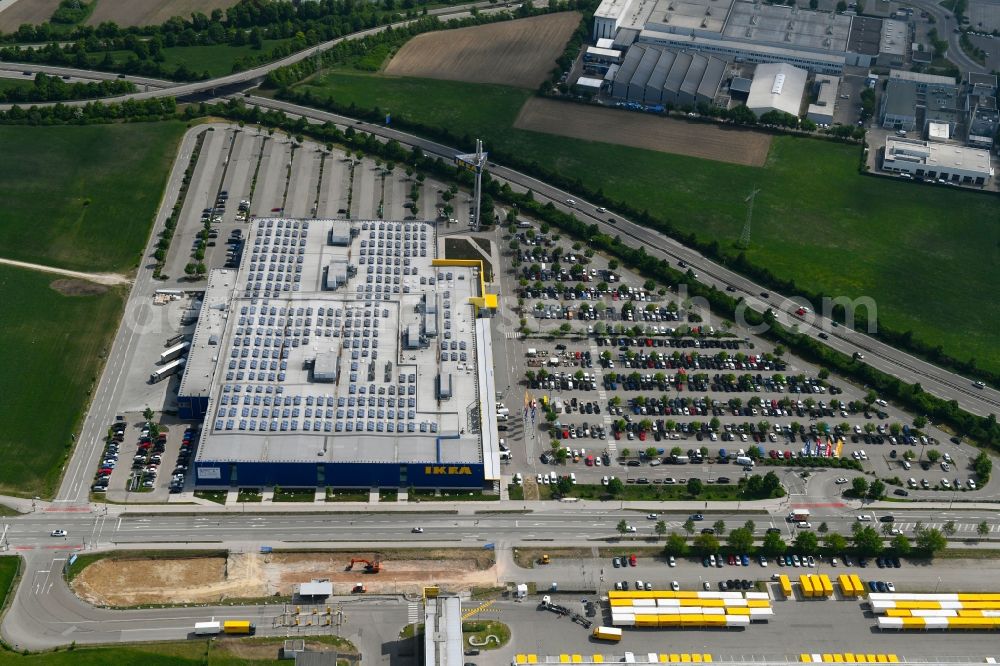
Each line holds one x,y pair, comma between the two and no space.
824,336
896,563
887,519
774,530
708,530
900,492
863,563
696,517
880,562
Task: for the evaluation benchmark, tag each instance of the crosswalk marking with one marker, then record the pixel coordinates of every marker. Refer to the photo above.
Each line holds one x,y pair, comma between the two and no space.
412,612
512,335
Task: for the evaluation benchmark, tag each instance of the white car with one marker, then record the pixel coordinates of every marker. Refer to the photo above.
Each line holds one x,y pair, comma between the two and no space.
862,518
650,516
672,561
841,481
674,585
604,481
630,528
59,533
417,530
971,484
890,586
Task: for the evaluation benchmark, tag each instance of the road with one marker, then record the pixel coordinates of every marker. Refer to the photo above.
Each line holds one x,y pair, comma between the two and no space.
86,75
257,74
45,613
945,23
936,380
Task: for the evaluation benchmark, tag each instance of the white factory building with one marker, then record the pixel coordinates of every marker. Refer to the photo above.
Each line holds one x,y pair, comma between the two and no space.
777,87
937,161
740,31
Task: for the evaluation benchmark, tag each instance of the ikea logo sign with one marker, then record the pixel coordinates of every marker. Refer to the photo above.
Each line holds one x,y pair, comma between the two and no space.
447,470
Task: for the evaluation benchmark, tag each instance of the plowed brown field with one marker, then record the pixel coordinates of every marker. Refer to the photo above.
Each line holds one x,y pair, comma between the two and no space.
629,128
150,12
515,53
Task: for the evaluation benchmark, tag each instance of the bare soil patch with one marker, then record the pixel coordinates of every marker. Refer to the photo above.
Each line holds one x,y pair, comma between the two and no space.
78,288
254,650
628,128
26,11
149,12
517,53
130,582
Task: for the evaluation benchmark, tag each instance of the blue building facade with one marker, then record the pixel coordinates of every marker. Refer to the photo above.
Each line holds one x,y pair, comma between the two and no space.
339,475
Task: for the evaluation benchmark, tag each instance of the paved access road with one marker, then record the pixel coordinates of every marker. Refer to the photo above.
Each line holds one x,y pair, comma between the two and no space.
945,23
940,382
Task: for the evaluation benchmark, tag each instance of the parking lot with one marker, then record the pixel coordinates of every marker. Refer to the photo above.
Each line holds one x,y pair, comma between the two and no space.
624,379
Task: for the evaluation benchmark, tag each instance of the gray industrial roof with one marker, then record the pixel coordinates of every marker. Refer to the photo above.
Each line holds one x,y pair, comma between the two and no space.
788,26
278,320
894,37
900,98
866,35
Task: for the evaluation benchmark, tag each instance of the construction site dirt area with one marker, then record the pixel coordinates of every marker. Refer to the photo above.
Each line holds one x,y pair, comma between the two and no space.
517,53
151,12
629,128
123,582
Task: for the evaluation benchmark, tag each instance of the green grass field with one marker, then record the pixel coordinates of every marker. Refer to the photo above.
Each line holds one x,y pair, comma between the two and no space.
923,253
187,653
83,197
8,569
13,84
53,345
216,59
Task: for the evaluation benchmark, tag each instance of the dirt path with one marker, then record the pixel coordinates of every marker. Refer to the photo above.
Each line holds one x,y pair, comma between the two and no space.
629,128
109,279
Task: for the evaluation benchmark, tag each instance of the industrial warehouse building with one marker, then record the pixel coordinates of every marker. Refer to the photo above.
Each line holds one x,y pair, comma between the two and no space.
777,87
913,101
937,161
653,75
343,354
753,32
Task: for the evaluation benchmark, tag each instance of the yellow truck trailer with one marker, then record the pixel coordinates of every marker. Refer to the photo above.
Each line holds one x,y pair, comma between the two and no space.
608,634
239,627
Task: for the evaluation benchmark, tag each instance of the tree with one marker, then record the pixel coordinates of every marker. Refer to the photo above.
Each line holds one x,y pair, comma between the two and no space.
740,540
564,486
835,543
876,490
983,528
933,455
773,544
887,529
824,528
706,543
949,528
689,526
867,541
807,542
622,526
661,528
148,414
930,541
859,486
920,422
720,527
983,466
750,525
676,545
900,544
694,487
615,486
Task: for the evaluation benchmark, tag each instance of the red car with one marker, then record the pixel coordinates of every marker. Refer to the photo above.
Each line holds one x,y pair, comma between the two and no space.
631,560
105,470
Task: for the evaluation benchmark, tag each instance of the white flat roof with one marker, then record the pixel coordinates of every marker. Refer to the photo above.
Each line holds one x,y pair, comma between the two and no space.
938,155
610,53
588,82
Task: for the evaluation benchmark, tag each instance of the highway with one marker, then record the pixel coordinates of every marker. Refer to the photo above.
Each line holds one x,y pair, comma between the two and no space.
85,75
936,380
256,75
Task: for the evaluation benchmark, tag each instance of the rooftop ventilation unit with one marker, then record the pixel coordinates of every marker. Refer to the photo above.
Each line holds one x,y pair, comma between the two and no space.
779,82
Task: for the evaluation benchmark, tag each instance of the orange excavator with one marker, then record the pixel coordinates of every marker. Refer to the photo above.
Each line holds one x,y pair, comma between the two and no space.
372,566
